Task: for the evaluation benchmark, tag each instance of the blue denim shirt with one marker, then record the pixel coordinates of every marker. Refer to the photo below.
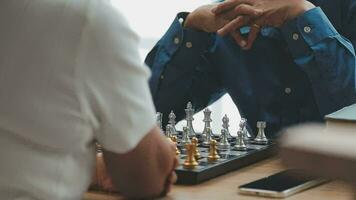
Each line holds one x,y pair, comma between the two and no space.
294,74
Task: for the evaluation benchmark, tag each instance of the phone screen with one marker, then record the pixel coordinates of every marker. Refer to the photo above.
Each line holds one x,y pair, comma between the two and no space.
281,181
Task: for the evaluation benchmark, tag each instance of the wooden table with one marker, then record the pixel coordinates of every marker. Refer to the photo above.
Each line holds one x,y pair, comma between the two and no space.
225,187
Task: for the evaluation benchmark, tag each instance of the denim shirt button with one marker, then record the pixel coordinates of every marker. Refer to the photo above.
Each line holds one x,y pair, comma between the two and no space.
307,29
295,36
188,45
176,40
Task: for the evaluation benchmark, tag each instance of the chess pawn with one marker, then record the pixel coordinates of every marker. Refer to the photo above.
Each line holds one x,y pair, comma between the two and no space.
174,140
189,111
224,143
159,117
213,154
226,126
240,144
261,136
190,162
196,152
207,137
172,122
185,139
168,131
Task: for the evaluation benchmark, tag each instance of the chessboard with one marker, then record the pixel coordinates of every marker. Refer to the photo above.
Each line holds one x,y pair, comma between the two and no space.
205,155
229,160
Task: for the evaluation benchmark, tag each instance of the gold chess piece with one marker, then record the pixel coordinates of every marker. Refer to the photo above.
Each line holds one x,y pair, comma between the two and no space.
213,154
196,152
190,162
174,140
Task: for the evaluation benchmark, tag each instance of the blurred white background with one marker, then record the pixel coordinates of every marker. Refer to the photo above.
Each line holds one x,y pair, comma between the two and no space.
150,20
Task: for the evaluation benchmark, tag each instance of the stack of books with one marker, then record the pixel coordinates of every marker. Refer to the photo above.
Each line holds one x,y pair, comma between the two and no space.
327,149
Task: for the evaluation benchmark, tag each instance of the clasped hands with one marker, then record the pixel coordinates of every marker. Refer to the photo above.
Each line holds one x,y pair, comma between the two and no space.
228,17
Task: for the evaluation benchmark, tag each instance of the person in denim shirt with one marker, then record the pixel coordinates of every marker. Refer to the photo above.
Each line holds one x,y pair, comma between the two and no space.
290,62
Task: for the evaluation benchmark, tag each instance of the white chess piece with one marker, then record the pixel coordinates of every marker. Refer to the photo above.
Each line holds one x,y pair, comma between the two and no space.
172,122
159,120
185,139
224,143
240,144
261,136
207,120
226,125
189,111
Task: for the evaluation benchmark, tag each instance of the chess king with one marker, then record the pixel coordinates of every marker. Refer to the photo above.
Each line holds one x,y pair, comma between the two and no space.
290,62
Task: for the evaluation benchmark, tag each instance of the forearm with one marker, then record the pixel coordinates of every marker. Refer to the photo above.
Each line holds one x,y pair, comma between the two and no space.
143,172
179,65
327,58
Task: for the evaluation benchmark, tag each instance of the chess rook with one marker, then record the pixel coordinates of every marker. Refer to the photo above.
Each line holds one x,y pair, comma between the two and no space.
261,136
189,111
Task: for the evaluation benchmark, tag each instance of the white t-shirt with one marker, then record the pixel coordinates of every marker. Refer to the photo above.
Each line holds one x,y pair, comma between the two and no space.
70,73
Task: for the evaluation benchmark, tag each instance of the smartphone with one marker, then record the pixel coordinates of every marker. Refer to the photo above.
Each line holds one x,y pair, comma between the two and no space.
282,184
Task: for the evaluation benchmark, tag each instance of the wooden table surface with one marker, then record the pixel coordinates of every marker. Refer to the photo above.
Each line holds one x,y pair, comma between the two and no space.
225,187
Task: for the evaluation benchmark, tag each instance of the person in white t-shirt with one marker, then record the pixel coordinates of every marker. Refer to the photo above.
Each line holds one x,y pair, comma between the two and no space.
70,74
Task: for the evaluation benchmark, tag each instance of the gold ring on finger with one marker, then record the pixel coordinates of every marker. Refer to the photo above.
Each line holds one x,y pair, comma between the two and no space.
256,26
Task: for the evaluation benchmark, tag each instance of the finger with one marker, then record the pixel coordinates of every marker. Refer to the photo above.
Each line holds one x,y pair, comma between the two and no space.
254,31
233,25
239,39
176,163
172,145
245,9
169,183
173,179
227,5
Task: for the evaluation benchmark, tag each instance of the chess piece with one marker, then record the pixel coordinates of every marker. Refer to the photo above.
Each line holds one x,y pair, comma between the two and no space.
172,122
168,132
226,125
207,136
196,152
190,161
261,136
174,140
159,117
243,127
185,139
207,120
224,143
240,144
189,111
213,154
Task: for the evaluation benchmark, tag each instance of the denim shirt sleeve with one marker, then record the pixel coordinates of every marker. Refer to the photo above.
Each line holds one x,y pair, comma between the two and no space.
327,57
180,70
